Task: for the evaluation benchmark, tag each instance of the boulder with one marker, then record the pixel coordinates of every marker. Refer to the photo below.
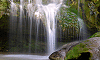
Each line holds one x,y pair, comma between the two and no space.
61,54
88,50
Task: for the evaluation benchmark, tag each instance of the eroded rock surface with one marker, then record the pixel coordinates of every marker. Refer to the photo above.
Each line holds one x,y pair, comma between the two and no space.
92,53
94,47
61,54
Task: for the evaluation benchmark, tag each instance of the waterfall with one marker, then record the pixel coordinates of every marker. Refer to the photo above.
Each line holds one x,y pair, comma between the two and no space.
39,2
35,10
37,28
30,16
82,26
50,11
13,21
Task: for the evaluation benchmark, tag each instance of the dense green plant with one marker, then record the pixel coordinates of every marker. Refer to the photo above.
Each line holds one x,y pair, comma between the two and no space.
4,5
68,19
73,10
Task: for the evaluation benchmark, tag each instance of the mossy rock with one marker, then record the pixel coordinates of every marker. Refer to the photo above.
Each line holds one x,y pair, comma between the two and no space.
95,35
76,51
79,50
88,50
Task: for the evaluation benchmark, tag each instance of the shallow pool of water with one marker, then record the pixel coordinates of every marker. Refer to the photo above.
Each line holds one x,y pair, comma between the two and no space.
22,57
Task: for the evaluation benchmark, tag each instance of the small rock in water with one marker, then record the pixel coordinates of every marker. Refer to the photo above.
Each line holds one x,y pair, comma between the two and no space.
58,55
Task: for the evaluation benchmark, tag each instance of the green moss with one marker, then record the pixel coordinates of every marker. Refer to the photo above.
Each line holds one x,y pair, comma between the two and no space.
76,51
95,35
86,41
73,10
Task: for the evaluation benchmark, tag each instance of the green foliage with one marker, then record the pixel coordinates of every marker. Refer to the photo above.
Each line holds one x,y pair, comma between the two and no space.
73,5
96,1
67,18
76,51
3,0
4,22
73,10
3,6
95,35
88,10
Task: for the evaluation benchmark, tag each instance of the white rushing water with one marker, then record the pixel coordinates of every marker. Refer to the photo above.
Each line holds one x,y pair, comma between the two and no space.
45,13
23,57
41,13
50,12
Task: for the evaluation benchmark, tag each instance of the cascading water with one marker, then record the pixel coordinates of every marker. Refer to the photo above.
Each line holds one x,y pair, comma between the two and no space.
82,26
36,10
37,32
79,18
20,22
13,21
50,11
26,34
30,16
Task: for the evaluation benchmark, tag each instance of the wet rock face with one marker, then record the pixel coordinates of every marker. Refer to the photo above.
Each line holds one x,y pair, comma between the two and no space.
92,53
61,54
98,15
89,10
84,56
93,16
58,55
94,45
93,49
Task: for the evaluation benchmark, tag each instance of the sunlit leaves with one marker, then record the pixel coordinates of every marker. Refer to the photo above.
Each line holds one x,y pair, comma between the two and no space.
68,19
3,7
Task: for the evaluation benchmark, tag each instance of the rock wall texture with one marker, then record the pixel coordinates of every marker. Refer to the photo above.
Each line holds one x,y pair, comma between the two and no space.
88,10
88,49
